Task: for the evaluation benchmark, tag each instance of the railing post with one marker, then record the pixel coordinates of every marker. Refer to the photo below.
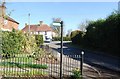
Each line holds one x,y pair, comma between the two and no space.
81,64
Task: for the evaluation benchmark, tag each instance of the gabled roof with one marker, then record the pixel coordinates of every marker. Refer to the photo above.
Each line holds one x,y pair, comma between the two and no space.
5,16
10,19
36,28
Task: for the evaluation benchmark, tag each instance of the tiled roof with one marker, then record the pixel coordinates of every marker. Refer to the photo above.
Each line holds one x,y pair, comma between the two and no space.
10,19
36,28
2,7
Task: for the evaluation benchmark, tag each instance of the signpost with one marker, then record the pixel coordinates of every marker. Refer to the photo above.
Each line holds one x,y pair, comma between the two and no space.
58,22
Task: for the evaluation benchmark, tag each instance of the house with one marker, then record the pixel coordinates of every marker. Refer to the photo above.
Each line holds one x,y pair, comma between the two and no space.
7,23
41,28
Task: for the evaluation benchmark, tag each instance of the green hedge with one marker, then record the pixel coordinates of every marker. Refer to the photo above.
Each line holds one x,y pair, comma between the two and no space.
76,37
102,35
59,38
39,39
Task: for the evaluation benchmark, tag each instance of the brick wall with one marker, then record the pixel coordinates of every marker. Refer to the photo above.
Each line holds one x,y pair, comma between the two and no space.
9,25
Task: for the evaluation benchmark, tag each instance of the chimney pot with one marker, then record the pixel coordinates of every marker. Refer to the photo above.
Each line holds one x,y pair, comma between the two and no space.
41,22
25,24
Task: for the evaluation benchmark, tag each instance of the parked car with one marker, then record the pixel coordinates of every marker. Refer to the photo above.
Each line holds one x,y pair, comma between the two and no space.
48,40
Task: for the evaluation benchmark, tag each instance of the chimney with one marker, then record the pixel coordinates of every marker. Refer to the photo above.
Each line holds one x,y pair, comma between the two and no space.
41,22
25,24
2,10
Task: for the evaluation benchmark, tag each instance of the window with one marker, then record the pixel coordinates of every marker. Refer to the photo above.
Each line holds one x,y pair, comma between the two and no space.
45,33
5,22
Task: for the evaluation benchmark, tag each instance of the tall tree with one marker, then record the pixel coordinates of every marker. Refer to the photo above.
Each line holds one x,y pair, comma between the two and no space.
69,32
83,25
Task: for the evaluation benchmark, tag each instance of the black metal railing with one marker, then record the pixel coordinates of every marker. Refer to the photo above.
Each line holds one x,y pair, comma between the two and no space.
25,65
40,65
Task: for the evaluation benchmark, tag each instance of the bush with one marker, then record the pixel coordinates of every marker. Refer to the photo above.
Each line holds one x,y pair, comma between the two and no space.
59,38
76,73
39,39
17,42
77,37
12,42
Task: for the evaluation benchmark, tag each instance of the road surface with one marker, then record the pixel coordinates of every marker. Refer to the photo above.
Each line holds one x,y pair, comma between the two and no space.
105,64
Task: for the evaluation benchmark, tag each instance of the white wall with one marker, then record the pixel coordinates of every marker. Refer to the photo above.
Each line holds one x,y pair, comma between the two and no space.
48,34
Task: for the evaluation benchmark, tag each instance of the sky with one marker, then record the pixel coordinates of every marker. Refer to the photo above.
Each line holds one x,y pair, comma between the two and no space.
72,13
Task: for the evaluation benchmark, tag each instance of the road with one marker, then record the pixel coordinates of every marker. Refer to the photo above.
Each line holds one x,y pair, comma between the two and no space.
105,64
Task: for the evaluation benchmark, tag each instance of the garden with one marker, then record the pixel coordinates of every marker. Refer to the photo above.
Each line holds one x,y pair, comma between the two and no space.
22,56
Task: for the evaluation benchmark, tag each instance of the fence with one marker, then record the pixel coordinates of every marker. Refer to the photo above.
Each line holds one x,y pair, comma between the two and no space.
25,65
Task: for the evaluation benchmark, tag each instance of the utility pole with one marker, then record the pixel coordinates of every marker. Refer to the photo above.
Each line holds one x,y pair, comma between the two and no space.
119,7
29,23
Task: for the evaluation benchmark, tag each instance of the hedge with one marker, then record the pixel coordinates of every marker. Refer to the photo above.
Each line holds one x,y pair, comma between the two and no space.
76,37
101,35
59,38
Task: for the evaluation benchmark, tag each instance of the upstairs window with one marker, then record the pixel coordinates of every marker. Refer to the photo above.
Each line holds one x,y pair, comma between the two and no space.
45,33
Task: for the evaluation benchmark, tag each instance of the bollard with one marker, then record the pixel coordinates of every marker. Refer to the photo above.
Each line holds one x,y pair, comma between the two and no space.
81,65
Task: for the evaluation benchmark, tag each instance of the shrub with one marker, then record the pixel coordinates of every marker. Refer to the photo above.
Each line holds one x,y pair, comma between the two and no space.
59,38
76,73
39,39
12,42
17,42
77,37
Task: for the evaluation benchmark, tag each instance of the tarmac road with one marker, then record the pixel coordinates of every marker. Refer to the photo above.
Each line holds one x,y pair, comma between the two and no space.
107,65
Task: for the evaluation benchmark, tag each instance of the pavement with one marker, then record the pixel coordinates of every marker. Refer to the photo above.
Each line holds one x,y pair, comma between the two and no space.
112,64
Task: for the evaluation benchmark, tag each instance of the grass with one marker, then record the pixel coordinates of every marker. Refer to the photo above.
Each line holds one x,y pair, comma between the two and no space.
22,65
20,58
22,61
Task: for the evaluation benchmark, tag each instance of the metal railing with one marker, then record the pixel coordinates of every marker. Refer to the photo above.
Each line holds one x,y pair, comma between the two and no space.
25,65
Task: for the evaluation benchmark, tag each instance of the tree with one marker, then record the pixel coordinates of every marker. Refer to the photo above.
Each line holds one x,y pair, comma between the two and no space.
69,32
77,37
83,25
56,29
101,35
